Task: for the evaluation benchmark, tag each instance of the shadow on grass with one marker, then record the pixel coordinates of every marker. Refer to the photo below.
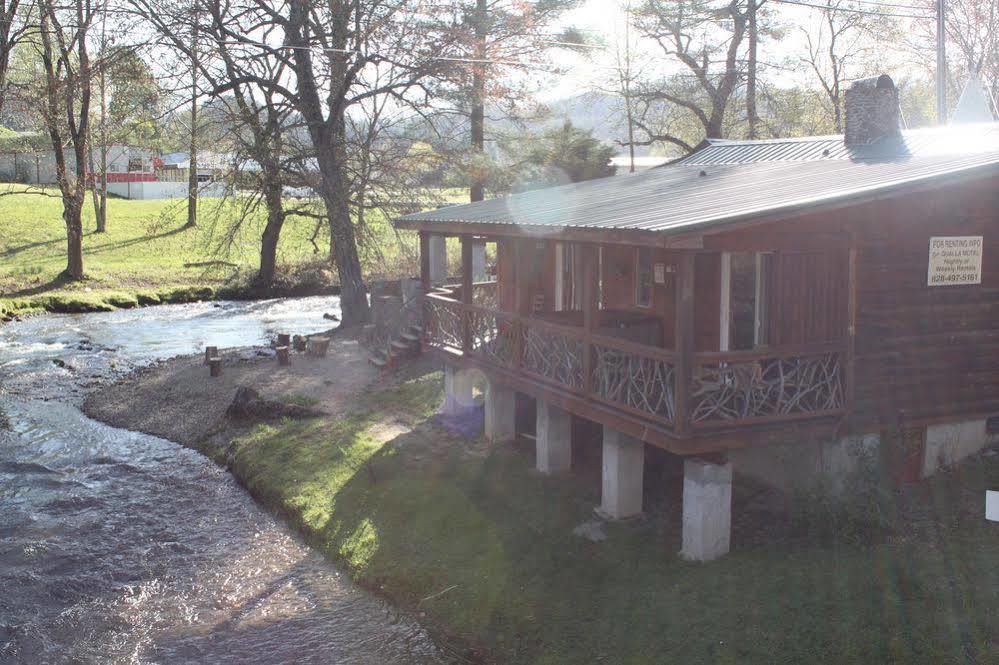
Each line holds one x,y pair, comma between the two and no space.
57,282
469,534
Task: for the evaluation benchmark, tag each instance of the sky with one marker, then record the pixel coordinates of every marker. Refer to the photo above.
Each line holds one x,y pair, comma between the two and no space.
605,19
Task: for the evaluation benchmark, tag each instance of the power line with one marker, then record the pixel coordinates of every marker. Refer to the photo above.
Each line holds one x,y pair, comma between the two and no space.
830,8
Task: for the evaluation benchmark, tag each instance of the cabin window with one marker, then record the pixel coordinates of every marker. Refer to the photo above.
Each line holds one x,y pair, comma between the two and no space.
134,164
746,284
568,295
643,277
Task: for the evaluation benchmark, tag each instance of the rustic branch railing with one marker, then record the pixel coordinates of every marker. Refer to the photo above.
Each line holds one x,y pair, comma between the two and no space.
494,335
727,388
443,321
485,294
637,378
752,387
552,352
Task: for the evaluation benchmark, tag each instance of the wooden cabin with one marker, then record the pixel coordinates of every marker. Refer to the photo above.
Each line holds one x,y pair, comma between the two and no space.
762,303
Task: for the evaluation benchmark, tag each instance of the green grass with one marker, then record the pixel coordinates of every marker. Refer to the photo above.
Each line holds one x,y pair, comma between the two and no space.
146,255
481,548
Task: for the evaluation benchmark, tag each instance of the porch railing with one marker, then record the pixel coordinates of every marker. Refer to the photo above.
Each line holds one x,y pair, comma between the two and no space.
730,388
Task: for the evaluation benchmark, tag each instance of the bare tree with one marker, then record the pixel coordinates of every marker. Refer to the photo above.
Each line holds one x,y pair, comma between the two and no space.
63,35
842,49
684,108
14,27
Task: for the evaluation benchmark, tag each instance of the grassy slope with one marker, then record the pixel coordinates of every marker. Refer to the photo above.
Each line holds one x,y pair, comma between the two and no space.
427,514
145,250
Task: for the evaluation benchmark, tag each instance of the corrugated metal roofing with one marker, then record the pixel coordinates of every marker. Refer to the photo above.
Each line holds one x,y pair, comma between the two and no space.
683,197
913,143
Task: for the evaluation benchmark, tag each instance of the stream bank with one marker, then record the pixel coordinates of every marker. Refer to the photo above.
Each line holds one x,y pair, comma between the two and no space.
480,548
121,547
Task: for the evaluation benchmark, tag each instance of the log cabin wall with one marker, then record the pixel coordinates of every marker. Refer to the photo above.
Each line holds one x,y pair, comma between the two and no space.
930,353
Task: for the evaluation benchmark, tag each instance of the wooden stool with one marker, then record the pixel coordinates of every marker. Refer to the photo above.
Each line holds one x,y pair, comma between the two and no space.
284,339
215,366
211,352
284,358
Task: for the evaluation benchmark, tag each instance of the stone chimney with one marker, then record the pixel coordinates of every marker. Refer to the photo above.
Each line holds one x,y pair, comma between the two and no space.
871,110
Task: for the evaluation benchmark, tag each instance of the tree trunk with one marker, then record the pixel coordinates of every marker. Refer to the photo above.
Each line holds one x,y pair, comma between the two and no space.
343,241
72,215
751,113
271,235
192,175
478,112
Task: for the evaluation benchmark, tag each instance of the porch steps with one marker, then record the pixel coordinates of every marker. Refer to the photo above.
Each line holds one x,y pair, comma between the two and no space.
405,346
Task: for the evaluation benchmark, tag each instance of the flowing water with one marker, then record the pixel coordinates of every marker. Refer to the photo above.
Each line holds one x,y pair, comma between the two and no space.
126,548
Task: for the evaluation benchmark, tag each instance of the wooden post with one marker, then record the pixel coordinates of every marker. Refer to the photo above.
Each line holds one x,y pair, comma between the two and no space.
519,295
851,324
215,366
425,260
284,339
684,339
466,292
590,297
211,352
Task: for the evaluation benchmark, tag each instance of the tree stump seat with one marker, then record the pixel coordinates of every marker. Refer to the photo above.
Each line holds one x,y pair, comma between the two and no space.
283,355
318,346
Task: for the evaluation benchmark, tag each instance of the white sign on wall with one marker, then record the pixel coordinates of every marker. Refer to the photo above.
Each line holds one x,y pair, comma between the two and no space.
955,260
992,506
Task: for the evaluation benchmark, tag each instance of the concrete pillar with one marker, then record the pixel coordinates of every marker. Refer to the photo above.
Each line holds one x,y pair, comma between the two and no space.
479,261
623,466
707,509
554,439
438,260
500,412
457,390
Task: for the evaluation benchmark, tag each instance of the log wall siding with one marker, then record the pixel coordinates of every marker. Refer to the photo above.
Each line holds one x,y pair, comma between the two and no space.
929,353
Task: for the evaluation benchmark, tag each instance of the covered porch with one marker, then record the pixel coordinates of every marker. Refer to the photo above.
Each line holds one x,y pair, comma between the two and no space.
696,351
672,346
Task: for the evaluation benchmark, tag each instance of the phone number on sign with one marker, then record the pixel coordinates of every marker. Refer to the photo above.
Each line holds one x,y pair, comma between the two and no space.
956,277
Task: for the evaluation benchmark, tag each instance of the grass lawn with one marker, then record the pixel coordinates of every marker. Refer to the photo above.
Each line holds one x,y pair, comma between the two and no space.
480,547
146,255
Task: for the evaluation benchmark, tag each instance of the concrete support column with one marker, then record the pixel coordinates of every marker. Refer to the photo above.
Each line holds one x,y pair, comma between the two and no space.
623,467
707,509
554,439
457,390
438,260
479,261
500,412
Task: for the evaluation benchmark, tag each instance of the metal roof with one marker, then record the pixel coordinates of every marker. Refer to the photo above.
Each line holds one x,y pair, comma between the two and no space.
913,143
684,197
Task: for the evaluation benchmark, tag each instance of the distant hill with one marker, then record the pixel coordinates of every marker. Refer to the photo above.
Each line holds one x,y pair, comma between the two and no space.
599,112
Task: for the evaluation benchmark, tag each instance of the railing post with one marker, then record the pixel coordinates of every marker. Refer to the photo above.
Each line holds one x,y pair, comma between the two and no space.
591,294
684,336
466,293
425,260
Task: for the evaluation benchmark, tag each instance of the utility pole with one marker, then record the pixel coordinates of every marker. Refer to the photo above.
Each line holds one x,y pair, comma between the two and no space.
941,64
626,76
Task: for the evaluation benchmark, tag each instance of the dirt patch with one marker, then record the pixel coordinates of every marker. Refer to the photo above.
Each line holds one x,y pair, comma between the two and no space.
178,400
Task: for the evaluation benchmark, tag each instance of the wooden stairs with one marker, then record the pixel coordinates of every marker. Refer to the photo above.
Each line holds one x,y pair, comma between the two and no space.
406,345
